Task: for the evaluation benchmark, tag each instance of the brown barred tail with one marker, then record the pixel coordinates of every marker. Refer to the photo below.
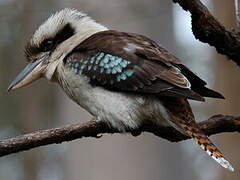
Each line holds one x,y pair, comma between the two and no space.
205,143
183,120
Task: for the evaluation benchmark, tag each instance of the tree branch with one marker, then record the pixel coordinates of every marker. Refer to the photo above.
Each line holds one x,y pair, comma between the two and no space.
237,7
214,125
208,30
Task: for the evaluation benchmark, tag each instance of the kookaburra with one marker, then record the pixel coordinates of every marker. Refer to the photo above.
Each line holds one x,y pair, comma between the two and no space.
121,78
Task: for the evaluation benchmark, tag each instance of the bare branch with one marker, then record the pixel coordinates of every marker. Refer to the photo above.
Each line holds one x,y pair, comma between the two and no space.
216,124
208,30
237,7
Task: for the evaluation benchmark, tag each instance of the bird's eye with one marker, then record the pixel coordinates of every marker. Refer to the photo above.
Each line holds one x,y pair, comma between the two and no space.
47,45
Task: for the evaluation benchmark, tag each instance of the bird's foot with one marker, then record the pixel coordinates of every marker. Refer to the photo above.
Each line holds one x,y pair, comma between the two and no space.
136,132
96,135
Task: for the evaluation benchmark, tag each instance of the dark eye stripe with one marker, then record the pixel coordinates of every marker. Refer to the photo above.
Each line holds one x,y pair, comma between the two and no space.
49,44
64,34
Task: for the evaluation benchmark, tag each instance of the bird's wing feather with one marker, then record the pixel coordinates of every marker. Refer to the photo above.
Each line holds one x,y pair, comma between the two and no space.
130,62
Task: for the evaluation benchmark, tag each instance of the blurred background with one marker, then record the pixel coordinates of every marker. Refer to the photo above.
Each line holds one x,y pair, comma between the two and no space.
44,105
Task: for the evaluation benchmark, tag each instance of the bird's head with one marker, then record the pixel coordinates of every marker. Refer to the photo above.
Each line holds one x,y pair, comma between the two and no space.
51,42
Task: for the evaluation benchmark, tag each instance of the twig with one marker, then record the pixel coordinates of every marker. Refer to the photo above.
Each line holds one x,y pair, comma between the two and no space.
208,30
216,124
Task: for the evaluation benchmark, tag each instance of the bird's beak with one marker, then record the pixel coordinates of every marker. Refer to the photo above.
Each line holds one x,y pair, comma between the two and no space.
32,72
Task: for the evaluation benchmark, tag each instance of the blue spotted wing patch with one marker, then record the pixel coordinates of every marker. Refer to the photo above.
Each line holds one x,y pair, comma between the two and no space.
104,68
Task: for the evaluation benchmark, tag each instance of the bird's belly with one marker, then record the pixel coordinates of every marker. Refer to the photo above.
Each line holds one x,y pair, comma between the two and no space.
120,110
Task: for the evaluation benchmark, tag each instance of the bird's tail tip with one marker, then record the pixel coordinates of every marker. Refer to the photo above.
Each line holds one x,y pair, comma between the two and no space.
206,144
222,161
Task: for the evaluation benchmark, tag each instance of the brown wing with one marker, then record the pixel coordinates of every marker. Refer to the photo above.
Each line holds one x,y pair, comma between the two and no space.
148,68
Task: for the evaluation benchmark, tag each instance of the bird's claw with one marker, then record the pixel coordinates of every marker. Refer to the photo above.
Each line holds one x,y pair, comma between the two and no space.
97,136
136,133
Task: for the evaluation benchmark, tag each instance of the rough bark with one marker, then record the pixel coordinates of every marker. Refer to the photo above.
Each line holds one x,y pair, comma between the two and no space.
208,30
237,7
214,125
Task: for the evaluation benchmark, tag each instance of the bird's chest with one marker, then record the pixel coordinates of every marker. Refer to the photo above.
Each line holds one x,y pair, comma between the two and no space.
119,109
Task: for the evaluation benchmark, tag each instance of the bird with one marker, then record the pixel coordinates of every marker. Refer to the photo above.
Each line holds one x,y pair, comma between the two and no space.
121,78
